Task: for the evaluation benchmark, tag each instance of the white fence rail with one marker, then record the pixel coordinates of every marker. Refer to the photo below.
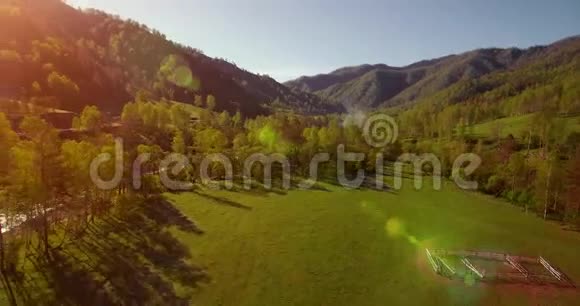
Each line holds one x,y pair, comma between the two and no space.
471,267
557,274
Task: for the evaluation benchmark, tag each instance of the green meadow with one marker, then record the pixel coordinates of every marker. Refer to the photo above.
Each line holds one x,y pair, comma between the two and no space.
361,247
328,246
519,126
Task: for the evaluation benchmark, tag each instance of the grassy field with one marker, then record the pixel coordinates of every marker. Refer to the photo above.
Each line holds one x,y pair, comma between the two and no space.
328,246
340,247
517,126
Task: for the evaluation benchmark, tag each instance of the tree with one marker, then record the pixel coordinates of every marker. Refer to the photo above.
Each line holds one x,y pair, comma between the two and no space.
210,102
572,211
543,122
496,130
148,113
211,141
507,147
64,90
76,160
237,120
37,172
131,116
178,143
48,102
198,101
461,128
62,85
163,116
8,139
76,123
36,89
143,96
240,142
91,119
328,137
311,137
6,267
545,183
495,185
517,173
179,116
224,119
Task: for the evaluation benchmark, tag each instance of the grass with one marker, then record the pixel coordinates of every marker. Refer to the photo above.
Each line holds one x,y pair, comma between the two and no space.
328,246
518,126
340,247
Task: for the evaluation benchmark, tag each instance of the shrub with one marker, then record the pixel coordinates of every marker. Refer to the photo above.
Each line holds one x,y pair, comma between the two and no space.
495,185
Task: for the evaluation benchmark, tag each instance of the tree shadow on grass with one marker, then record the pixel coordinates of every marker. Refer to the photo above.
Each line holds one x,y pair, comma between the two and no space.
222,200
257,188
163,211
368,184
571,228
126,258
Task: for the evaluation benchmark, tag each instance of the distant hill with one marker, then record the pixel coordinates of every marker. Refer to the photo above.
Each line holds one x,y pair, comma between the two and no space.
55,54
372,86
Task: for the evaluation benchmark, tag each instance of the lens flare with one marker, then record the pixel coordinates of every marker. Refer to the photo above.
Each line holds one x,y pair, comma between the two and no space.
182,76
270,138
176,70
413,240
395,228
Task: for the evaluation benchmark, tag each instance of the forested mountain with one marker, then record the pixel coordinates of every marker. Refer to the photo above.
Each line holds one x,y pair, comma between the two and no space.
370,86
55,55
544,80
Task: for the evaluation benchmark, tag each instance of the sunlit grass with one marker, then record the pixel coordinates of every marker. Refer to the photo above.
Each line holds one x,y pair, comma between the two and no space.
341,247
518,126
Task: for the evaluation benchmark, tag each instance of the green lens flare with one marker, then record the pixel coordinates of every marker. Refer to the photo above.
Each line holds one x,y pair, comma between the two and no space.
175,70
395,228
272,139
268,136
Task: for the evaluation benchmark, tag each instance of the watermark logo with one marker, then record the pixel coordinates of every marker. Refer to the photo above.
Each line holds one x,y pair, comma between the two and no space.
379,131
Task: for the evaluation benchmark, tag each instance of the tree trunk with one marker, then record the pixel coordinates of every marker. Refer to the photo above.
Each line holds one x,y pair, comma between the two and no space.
577,212
8,286
513,189
44,234
529,143
547,199
5,278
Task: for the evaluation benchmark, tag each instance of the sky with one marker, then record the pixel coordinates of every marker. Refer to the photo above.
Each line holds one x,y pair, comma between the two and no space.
290,38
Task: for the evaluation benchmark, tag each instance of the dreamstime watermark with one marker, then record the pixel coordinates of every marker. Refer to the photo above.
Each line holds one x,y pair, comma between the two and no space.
379,131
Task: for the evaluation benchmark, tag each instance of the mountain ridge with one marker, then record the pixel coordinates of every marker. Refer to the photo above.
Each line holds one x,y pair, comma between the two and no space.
380,85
